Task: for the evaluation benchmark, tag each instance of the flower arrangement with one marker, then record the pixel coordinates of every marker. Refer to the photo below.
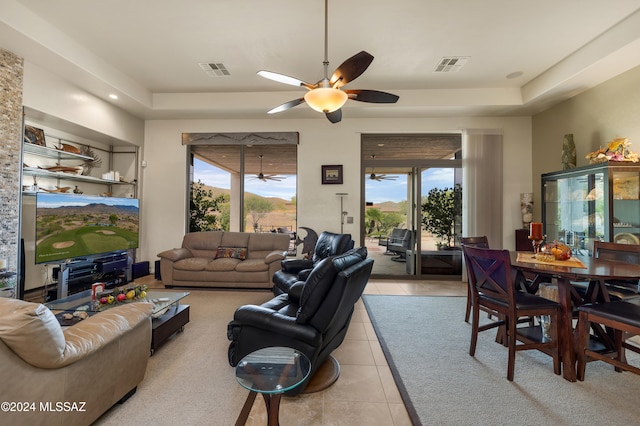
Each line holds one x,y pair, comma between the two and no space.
121,295
616,150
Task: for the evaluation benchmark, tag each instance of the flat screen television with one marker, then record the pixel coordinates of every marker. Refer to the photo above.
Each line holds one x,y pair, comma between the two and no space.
72,226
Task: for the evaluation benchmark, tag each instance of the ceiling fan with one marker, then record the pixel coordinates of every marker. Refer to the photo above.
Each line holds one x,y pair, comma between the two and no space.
380,176
264,177
326,95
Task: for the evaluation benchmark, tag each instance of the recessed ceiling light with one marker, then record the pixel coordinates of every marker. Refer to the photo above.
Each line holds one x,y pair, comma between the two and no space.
380,144
113,96
514,75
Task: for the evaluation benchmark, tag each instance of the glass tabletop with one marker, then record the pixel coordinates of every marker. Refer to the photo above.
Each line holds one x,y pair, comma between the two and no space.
82,301
273,370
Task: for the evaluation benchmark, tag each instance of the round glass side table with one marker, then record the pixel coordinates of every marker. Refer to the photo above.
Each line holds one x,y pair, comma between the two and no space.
270,372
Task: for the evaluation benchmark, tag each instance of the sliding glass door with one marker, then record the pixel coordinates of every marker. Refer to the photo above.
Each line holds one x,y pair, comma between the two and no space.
441,221
412,204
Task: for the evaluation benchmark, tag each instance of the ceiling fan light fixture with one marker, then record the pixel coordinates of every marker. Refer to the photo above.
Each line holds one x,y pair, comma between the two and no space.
326,99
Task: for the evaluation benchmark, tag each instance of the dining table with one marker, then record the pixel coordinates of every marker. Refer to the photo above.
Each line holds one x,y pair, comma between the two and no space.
561,273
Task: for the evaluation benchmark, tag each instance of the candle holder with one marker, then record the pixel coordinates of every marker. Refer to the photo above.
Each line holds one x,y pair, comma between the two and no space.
536,243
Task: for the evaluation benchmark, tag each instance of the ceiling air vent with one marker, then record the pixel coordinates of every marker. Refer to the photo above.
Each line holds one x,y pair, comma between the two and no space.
214,69
451,63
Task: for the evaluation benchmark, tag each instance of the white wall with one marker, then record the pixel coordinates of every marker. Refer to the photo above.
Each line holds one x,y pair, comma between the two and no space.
62,103
595,117
165,174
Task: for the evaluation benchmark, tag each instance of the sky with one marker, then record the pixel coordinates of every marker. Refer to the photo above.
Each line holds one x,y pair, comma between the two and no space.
375,191
396,190
213,176
52,200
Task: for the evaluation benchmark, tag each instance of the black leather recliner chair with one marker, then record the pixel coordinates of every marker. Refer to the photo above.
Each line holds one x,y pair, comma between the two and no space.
293,270
313,317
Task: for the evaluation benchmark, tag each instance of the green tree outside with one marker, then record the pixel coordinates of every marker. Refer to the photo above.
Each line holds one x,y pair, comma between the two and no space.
373,217
380,223
258,208
442,212
204,210
392,220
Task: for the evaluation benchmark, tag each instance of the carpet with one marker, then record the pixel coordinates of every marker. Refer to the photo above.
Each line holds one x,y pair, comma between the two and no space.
426,343
188,379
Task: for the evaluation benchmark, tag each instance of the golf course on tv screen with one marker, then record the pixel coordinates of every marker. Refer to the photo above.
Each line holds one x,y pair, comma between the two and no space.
72,226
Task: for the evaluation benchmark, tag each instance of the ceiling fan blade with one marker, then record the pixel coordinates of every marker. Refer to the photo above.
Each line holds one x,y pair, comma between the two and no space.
372,96
282,78
285,106
334,116
351,69
274,177
381,177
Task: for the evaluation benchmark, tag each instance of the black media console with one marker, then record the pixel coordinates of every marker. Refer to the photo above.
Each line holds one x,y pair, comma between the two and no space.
79,274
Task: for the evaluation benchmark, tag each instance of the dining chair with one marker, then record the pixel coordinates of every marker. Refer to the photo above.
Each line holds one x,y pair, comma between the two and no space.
623,318
493,286
627,253
478,241
483,242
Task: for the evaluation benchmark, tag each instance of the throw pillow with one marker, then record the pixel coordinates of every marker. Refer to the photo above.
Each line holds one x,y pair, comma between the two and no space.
32,332
232,252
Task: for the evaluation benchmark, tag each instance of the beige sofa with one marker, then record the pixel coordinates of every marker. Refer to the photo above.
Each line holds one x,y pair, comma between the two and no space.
71,375
215,259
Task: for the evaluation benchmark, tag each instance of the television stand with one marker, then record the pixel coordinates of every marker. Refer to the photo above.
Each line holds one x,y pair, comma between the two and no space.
84,272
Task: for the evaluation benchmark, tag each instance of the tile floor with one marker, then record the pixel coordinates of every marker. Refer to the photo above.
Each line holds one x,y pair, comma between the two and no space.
365,393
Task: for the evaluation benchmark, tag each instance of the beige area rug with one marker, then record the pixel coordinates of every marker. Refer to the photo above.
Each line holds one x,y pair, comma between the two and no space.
426,343
189,380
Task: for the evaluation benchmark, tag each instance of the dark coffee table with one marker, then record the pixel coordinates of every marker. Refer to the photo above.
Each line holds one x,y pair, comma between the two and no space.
270,372
168,315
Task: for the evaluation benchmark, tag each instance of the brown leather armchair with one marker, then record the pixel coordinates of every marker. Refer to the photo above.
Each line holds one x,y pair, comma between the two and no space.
93,364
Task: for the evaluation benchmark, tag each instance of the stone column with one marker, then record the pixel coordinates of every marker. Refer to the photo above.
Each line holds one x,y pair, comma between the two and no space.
11,75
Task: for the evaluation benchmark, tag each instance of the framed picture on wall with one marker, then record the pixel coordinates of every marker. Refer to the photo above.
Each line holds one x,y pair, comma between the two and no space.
34,135
331,174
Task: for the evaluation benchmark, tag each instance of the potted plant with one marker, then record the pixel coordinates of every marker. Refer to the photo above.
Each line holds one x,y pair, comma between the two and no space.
442,214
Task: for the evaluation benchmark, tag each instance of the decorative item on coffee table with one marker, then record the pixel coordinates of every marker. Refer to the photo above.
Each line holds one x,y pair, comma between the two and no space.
120,295
7,283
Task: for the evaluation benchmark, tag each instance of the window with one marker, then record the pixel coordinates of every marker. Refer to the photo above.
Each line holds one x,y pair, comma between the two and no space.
254,173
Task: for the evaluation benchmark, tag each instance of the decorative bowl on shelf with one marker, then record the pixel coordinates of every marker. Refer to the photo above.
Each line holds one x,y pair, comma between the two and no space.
626,238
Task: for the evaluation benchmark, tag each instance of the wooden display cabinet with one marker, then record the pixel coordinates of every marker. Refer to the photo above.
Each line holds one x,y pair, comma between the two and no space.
600,201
